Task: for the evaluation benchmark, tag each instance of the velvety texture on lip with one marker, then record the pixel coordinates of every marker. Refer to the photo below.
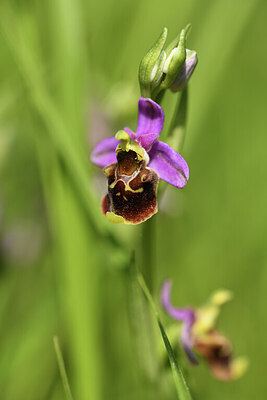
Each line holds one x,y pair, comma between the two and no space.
131,196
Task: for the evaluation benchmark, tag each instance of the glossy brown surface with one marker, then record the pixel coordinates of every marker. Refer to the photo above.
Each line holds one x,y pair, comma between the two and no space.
131,190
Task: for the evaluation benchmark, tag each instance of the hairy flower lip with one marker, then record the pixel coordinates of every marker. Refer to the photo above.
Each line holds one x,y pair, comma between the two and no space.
133,200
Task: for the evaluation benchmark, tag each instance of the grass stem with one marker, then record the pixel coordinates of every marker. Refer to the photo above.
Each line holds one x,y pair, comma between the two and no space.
62,369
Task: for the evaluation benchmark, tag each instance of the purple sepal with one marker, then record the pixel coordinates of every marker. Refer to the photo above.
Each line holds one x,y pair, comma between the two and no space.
150,117
186,337
185,315
105,152
170,166
147,141
180,314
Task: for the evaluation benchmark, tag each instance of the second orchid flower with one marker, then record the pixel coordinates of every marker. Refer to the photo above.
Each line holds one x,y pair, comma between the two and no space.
200,335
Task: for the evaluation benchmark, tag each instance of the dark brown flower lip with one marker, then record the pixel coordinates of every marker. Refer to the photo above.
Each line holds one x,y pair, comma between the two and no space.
217,351
130,199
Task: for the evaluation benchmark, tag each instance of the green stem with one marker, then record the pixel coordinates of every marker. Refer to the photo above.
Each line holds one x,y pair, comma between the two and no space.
62,369
141,325
148,251
176,133
159,96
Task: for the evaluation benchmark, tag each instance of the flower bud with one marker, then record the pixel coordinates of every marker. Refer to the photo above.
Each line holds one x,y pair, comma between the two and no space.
151,66
163,69
185,72
176,55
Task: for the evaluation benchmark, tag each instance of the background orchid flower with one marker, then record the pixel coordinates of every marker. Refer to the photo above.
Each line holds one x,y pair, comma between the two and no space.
199,334
157,157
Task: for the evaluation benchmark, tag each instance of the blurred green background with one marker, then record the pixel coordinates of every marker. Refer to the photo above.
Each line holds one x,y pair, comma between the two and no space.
68,77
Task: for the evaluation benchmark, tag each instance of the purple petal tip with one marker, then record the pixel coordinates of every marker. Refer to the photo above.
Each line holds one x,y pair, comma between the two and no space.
150,117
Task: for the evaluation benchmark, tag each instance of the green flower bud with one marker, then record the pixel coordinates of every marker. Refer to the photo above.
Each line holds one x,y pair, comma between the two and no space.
163,69
175,58
151,66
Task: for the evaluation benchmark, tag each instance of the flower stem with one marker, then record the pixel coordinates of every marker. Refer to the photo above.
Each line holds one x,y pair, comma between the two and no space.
176,133
148,251
141,322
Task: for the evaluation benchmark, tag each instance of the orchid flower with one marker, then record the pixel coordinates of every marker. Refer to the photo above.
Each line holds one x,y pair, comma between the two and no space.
134,162
199,334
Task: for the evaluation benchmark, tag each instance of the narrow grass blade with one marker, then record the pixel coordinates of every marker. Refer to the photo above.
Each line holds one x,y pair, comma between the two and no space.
58,131
180,384
62,369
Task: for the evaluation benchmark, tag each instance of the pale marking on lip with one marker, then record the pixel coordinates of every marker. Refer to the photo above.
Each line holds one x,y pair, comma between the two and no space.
126,184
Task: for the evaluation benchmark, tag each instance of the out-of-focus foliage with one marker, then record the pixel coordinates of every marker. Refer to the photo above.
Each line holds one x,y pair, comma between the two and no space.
68,77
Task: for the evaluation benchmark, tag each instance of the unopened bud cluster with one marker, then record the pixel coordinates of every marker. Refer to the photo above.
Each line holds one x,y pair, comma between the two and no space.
167,69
